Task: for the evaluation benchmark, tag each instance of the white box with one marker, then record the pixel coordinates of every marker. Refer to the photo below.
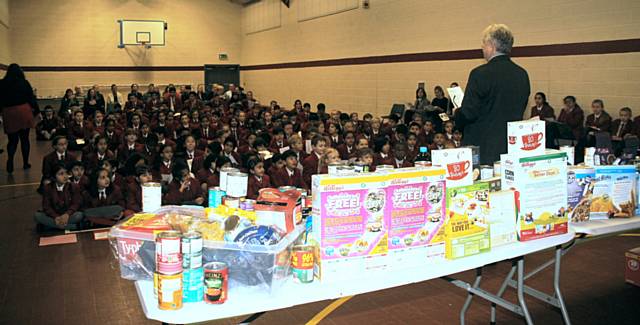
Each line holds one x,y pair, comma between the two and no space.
526,138
541,183
457,163
502,217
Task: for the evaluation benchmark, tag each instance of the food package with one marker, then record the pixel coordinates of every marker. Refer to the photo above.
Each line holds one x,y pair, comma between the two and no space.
580,183
279,209
495,183
348,223
614,193
502,217
458,164
632,269
541,198
526,138
467,229
416,212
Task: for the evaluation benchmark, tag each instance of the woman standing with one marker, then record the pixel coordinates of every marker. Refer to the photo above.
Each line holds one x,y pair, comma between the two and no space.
19,106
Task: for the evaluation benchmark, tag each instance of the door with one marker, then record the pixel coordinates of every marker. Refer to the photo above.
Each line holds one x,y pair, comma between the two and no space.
223,74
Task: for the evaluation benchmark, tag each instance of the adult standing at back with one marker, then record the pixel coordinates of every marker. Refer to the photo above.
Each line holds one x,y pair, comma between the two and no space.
497,92
19,105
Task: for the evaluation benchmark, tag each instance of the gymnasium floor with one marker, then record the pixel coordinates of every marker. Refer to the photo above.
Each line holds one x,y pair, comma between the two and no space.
79,283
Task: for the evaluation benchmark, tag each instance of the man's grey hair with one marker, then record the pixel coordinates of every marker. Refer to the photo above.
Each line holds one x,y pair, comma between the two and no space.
500,36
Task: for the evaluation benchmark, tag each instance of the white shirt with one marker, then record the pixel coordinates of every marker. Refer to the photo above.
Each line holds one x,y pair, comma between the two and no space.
101,157
399,162
60,188
102,194
61,155
290,172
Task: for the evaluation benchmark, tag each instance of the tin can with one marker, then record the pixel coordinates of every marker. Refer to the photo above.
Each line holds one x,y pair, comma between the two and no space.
422,163
193,285
237,183
381,168
170,291
345,170
216,278
247,204
359,167
232,202
224,172
286,188
486,171
151,197
155,284
191,250
302,263
215,196
332,168
168,256
497,169
303,197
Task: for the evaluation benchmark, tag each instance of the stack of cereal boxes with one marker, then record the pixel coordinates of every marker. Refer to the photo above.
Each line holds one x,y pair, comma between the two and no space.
467,228
371,221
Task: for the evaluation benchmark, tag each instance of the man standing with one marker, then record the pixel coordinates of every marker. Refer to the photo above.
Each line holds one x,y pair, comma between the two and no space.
497,92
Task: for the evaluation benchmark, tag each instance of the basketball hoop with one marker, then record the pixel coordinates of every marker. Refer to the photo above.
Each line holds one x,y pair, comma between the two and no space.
146,45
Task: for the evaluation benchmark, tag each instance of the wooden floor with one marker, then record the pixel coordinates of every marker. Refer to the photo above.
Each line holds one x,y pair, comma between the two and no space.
80,284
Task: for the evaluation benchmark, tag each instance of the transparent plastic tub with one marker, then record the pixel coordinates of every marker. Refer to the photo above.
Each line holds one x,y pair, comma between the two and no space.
263,267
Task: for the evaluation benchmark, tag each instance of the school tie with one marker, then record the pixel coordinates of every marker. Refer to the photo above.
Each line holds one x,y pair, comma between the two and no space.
103,195
620,129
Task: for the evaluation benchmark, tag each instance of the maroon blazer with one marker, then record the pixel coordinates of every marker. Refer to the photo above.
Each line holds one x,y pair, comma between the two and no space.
114,197
333,143
213,180
173,195
379,160
282,178
203,174
405,163
544,113
51,160
574,119
162,169
134,197
114,140
235,156
82,183
255,185
80,132
603,122
55,204
124,152
92,159
275,148
309,168
629,128
345,152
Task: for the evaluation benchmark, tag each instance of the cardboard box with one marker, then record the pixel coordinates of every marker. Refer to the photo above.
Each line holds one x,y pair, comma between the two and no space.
502,217
541,199
467,229
614,192
416,211
280,209
457,163
580,183
632,267
526,138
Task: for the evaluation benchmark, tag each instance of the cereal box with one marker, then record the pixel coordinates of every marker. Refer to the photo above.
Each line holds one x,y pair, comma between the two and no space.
541,198
457,163
415,208
502,217
348,222
467,231
580,182
613,192
526,138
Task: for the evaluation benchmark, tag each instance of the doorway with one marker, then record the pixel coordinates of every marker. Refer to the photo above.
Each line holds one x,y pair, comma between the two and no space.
222,74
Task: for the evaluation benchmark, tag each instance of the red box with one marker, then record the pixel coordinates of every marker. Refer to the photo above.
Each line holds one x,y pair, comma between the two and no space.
280,209
632,269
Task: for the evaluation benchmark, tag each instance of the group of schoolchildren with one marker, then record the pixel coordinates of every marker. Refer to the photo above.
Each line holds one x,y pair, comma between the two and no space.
103,154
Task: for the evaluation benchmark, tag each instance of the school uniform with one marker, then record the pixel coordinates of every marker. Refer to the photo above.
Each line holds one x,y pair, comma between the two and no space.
133,201
58,200
401,163
125,151
44,128
50,161
286,177
235,159
175,197
203,174
114,139
255,184
104,207
82,184
275,146
335,141
162,172
195,160
382,159
94,158
310,167
346,151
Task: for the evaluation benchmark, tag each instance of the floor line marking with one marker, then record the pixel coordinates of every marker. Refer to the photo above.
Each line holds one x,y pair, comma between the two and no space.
629,235
18,185
327,310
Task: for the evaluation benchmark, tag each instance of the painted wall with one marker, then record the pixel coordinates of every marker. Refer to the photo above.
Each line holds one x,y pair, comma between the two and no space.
5,46
412,26
86,33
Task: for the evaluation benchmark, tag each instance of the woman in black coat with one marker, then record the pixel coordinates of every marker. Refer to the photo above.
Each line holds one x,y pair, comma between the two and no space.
19,106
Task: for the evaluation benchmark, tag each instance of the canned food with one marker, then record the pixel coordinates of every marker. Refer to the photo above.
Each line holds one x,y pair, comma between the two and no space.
193,285
380,168
344,170
286,188
486,171
332,168
151,197
359,167
237,183
497,168
247,204
302,263
216,278
169,291
232,202
191,250
215,196
168,256
224,172
303,197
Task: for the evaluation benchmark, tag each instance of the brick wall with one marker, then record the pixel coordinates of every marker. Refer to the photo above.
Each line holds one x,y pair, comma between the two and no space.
86,33
411,26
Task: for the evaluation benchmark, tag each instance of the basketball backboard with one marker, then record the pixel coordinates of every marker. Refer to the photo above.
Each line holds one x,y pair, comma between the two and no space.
142,32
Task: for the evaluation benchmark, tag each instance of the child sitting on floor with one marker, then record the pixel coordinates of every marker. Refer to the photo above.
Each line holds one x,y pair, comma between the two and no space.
103,202
60,203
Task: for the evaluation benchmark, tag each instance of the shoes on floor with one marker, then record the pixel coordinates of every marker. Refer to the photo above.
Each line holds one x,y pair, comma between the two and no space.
26,166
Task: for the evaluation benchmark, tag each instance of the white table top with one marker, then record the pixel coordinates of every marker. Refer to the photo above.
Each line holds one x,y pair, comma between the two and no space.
605,227
291,294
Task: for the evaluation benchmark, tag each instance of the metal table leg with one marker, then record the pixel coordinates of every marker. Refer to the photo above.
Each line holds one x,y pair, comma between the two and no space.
556,286
520,289
470,295
251,318
501,291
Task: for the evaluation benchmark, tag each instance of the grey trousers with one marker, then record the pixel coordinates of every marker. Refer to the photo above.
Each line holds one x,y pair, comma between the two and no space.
43,219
